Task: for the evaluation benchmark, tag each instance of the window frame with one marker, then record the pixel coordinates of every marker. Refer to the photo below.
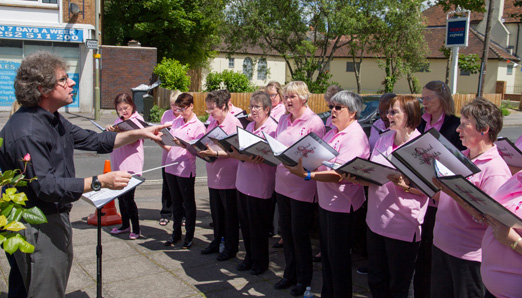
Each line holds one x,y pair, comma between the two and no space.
353,66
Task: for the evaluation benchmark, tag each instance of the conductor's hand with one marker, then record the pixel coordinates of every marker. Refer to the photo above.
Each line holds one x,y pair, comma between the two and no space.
114,180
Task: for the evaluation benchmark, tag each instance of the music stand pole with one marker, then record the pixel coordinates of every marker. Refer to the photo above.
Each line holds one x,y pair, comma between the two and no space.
99,257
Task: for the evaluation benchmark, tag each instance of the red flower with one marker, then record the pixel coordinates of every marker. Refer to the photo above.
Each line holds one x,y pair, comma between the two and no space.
27,157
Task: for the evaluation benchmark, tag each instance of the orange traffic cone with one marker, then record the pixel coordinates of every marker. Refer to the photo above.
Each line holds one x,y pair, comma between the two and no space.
111,216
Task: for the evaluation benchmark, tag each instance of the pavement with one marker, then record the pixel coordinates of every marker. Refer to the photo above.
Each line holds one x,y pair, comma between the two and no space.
146,268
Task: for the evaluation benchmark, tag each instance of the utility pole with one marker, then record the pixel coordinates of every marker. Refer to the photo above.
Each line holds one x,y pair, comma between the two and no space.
487,38
97,57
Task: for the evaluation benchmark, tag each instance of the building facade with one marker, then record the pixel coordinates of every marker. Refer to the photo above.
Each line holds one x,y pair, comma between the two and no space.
59,26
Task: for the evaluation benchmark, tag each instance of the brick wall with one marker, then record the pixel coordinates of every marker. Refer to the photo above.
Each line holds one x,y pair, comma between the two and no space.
86,15
123,68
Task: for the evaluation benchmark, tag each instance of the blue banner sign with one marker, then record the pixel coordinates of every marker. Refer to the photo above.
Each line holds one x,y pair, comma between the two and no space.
457,32
42,33
7,77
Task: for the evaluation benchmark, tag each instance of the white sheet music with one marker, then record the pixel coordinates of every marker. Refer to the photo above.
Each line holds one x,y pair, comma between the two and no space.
105,195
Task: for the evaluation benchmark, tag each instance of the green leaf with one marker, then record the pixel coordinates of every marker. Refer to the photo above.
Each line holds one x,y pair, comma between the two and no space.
15,226
3,221
34,216
1,142
2,238
15,215
8,175
19,198
7,210
22,183
12,244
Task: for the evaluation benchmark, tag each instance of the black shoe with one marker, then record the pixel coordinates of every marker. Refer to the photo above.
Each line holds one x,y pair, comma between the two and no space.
277,245
243,266
172,241
298,290
187,244
362,270
210,249
257,271
225,256
284,284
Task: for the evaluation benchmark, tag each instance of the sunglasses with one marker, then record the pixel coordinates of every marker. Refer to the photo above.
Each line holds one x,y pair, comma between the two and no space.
337,108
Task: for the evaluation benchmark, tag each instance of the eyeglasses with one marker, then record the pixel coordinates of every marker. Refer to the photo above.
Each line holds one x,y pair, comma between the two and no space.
427,98
210,110
273,95
180,109
393,112
63,81
253,107
337,108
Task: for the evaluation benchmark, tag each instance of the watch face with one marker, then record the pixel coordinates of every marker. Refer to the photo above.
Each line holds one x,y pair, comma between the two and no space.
96,184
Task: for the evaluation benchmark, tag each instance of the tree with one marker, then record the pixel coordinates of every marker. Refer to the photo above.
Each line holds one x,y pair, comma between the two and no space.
181,29
399,40
230,80
173,75
306,34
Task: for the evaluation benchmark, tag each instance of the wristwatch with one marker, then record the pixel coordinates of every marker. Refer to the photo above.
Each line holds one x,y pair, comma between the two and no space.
95,184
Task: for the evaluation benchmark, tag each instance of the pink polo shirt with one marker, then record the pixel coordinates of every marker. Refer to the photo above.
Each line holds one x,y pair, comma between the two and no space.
455,232
192,130
392,212
437,125
278,111
287,133
374,133
221,174
167,118
257,180
339,197
130,157
501,267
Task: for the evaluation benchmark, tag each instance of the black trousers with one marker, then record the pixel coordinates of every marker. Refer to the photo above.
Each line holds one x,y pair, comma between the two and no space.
454,277
129,211
254,217
166,201
296,219
223,208
422,276
391,264
335,230
183,203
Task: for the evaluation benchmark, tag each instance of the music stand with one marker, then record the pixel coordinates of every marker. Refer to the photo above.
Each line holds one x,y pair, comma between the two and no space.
99,199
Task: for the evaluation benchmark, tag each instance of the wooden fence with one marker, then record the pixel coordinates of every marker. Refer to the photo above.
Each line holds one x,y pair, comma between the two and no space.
316,101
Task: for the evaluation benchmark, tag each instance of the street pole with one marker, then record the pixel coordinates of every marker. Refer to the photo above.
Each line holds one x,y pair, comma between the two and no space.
97,57
454,69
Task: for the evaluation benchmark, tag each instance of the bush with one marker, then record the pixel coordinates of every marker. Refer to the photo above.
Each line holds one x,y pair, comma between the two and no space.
155,114
173,75
232,81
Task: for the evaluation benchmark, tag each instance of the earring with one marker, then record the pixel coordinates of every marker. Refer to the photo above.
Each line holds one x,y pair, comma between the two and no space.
482,133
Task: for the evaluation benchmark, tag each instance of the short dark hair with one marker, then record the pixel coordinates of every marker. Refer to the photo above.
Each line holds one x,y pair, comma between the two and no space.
485,114
411,107
124,98
184,100
219,98
263,98
37,70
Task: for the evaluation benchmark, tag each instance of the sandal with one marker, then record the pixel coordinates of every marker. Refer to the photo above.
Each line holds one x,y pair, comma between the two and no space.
164,221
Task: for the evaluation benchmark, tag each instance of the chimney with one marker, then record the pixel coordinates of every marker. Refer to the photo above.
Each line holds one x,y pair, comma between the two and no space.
134,43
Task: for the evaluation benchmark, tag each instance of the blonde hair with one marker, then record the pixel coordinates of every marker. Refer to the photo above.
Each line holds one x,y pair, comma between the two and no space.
298,87
14,107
